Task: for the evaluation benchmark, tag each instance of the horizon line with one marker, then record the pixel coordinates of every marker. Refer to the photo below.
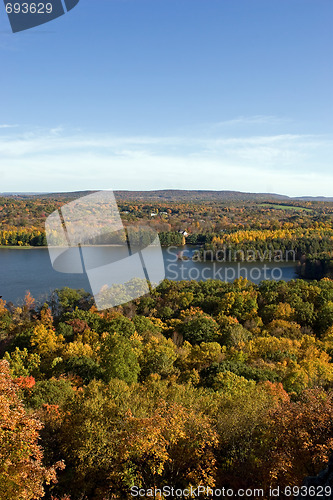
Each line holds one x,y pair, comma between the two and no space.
34,193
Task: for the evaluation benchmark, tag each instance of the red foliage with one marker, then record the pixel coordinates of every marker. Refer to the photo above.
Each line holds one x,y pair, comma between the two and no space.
277,391
78,325
25,382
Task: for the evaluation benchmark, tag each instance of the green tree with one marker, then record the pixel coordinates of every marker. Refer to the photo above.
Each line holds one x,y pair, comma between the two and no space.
118,358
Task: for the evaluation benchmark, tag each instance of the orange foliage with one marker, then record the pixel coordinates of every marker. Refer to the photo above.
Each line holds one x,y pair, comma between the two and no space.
25,382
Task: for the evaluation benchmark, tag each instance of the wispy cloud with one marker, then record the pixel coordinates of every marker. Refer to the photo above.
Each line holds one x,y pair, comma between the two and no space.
253,120
49,160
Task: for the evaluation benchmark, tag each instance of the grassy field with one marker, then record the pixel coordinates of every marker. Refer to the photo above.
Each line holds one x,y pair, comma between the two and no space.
285,207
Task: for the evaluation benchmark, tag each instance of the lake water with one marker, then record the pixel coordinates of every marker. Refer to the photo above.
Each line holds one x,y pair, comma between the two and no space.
30,269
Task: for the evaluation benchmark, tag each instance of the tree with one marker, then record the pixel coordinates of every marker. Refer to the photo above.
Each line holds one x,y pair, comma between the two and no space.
199,327
241,420
118,359
22,474
157,356
175,445
116,436
300,438
22,363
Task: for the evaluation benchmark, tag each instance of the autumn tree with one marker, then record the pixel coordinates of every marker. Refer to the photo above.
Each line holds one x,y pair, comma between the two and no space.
115,436
300,438
22,474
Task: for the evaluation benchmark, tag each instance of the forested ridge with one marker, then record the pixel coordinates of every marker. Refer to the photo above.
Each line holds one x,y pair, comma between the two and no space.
196,383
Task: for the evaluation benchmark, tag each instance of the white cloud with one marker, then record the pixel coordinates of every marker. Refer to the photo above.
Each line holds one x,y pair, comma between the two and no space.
53,161
250,120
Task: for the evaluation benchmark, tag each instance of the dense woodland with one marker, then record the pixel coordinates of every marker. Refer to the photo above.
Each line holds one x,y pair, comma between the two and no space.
221,384
196,383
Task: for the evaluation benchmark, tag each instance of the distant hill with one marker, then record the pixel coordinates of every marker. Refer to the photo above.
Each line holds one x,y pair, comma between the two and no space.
205,195
196,195
178,195
314,198
20,194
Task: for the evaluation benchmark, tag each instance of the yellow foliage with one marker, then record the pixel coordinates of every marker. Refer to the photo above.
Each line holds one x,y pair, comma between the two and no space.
78,349
45,340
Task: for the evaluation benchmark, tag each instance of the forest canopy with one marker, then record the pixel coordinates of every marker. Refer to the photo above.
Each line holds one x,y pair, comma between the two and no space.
197,382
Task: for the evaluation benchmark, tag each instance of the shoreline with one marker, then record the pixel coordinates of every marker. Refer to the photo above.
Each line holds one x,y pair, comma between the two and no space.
14,247
30,247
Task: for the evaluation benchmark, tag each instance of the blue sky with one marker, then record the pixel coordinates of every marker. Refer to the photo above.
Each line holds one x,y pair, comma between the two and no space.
154,94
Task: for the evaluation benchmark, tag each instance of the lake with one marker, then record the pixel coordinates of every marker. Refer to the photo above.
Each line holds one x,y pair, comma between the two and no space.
30,269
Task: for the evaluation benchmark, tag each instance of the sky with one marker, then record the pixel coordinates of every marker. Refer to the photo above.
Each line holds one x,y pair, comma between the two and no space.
179,94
